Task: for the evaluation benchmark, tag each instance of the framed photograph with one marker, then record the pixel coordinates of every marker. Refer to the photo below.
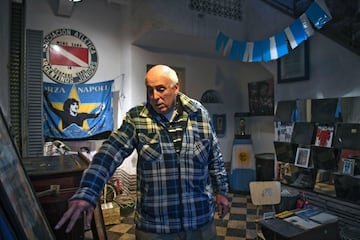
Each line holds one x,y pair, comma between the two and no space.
302,157
295,65
17,197
261,98
347,166
324,135
219,124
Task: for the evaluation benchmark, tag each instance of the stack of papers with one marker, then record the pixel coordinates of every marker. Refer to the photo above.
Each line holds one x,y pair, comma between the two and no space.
307,212
302,223
324,218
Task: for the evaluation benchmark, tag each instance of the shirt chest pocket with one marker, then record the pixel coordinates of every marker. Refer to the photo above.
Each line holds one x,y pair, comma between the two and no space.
149,147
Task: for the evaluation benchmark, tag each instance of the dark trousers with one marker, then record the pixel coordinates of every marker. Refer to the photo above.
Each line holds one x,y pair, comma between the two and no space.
207,232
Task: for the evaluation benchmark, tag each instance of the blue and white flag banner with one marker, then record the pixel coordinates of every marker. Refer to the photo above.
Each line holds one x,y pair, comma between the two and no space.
276,46
77,111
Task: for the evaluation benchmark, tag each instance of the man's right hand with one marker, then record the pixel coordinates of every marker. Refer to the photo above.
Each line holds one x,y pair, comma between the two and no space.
74,211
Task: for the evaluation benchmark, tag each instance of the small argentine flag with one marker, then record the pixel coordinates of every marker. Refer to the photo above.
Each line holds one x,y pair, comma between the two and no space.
275,47
221,41
237,50
296,33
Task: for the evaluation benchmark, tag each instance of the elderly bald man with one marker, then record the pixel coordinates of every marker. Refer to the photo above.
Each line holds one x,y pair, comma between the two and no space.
181,176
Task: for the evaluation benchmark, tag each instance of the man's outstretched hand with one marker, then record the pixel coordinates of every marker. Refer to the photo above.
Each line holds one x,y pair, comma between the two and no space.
74,211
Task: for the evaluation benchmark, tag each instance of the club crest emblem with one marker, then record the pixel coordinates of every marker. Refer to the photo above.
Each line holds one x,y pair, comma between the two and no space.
69,57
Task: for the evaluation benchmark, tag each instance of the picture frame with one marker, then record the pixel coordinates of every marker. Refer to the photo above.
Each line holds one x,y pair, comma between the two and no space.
302,157
347,166
219,121
17,196
324,135
261,98
295,65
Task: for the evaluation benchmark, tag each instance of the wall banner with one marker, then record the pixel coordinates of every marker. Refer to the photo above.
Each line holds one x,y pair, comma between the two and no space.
77,111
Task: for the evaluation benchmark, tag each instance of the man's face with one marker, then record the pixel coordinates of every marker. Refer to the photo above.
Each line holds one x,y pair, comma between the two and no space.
161,94
74,107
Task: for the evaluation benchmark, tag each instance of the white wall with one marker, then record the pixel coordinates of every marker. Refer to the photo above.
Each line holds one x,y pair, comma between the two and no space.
113,28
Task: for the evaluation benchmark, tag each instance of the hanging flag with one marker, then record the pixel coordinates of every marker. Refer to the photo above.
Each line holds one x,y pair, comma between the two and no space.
77,111
237,50
318,15
248,51
275,47
257,51
227,47
295,33
221,41
307,25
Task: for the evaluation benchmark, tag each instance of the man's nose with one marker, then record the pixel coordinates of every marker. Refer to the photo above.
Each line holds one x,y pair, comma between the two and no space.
155,94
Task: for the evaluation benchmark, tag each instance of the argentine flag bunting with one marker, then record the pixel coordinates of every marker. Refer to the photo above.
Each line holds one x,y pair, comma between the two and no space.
248,51
257,51
278,47
296,33
221,41
237,50
318,15
307,25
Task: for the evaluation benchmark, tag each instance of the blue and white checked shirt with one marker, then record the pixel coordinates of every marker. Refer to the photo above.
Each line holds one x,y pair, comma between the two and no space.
176,182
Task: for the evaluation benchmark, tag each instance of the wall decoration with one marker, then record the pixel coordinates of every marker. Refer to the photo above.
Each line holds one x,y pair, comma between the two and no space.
274,47
211,96
302,157
69,56
324,135
294,66
347,166
17,197
77,111
219,121
261,97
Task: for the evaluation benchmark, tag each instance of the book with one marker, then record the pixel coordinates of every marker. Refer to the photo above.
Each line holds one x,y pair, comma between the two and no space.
308,212
302,223
324,218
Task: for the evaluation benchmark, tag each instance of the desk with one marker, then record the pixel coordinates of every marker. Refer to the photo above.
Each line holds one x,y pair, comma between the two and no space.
281,230
63,174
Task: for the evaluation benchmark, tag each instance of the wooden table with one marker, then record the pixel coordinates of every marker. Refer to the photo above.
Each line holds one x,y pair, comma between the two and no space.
55,179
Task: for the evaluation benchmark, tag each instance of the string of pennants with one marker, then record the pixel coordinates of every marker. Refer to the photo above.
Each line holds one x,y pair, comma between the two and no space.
276,46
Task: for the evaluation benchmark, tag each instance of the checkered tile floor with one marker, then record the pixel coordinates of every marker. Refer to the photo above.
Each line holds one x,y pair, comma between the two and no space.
238,225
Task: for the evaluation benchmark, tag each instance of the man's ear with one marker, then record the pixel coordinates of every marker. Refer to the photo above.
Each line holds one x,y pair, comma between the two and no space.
177,87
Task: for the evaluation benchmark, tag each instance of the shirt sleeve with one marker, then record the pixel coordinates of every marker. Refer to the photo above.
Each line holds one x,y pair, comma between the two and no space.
109,157
218,174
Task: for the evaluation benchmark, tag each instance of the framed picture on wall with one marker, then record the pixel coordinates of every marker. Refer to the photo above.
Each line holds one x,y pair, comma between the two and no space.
302,157
347,166
295,65
261,98
219,124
